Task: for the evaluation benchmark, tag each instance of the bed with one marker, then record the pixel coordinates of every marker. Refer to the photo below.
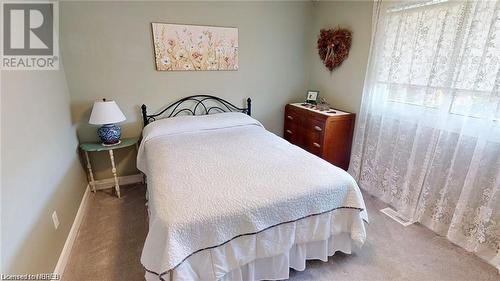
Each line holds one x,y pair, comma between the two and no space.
229,200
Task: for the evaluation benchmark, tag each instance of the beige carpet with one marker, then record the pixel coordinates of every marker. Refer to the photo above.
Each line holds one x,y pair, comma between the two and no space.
109,245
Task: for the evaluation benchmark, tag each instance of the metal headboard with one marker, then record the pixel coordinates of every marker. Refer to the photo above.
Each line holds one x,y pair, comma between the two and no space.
191,104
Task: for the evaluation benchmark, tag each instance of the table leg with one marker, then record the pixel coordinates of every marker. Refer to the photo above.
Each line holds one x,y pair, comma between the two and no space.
113,169
91,175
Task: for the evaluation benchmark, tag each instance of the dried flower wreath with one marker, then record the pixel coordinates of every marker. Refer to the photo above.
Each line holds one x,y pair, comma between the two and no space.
333,46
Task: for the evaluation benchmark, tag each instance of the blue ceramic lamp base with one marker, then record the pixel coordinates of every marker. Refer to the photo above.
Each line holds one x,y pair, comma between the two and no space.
110,134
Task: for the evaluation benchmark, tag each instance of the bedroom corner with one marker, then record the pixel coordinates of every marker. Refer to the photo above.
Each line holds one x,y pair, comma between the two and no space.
250,140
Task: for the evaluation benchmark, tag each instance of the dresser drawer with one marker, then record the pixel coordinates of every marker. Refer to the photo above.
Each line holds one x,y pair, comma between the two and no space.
314,146
314,136
316,127
292,115
292,129
292,132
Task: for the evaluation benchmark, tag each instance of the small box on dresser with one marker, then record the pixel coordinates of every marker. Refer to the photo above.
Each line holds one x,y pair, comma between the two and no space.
327,134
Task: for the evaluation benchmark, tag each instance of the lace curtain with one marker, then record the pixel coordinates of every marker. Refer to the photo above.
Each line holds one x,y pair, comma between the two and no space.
428,135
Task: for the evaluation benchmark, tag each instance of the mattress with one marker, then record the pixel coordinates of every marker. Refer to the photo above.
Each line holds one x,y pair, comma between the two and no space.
219,182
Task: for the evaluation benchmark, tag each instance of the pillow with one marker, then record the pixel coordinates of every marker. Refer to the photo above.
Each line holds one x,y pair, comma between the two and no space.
185,124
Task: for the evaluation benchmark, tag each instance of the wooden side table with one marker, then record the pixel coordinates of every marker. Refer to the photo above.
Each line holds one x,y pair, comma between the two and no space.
92,147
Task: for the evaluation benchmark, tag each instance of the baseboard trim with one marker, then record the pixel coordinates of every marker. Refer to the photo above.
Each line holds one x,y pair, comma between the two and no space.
70,240
110,182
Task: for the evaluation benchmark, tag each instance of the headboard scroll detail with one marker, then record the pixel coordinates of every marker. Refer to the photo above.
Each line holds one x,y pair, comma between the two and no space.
195,105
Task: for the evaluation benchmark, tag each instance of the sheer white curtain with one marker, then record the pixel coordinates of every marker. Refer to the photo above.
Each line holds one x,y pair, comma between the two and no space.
428,134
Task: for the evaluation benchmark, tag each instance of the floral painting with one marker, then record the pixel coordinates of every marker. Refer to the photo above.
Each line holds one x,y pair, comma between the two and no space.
192,47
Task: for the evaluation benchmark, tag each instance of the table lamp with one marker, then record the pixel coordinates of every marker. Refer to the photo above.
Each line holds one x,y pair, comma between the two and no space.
107,113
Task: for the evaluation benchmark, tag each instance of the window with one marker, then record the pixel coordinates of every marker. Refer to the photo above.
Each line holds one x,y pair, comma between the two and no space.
439,55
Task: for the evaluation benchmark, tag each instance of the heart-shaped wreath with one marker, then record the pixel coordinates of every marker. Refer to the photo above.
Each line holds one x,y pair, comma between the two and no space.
333,46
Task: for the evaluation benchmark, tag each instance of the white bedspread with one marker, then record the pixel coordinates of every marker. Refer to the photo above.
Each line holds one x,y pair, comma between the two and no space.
214,178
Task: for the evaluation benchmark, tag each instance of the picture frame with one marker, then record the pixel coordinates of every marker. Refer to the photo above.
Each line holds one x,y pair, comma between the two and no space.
312,96
185,47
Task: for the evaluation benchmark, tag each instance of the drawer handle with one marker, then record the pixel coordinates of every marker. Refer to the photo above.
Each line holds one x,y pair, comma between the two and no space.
289,117
289,132
316,144
318,128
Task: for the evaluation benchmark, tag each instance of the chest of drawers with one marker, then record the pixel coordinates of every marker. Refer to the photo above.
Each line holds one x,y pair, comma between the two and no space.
328,136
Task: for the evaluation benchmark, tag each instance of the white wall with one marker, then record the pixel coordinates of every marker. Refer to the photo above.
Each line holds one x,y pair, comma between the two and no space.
344,86
40,169
108,52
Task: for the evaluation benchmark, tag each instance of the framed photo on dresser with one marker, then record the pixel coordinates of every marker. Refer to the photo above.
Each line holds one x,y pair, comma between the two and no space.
312,96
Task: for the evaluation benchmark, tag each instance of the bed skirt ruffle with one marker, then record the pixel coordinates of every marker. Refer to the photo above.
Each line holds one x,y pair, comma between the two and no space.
270,254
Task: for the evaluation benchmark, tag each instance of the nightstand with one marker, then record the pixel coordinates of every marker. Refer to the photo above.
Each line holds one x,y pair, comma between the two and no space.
93,147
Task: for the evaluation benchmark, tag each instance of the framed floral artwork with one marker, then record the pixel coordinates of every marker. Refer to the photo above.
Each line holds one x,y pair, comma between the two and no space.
194,47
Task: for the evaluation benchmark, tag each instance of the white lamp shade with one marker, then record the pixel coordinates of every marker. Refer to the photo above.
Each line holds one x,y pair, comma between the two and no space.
106,112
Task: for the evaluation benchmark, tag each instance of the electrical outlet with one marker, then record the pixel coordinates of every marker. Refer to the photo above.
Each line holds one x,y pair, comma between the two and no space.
55,219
